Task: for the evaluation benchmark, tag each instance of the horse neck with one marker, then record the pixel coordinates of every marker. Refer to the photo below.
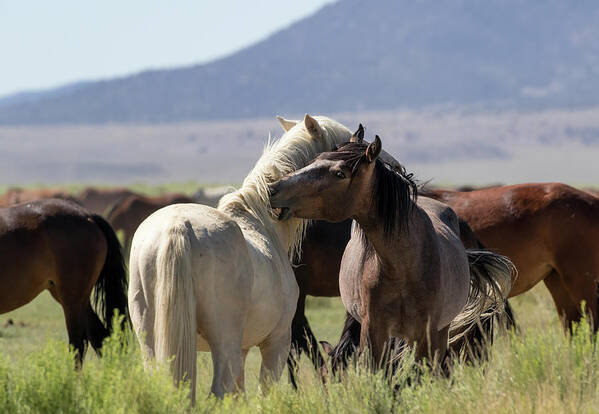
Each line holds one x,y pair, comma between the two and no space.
399,253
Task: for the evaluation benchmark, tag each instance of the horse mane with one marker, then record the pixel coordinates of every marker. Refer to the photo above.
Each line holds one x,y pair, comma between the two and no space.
294,150
395,191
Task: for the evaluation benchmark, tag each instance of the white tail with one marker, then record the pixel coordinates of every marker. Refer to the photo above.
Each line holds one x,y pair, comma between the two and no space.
175,326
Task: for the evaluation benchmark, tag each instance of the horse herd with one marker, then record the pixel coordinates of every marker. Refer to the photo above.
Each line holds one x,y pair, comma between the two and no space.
323,213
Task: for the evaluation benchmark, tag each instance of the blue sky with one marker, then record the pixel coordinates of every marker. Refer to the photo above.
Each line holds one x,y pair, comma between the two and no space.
50,43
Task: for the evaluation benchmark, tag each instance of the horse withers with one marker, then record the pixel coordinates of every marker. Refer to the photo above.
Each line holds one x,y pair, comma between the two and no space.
57,245
405,272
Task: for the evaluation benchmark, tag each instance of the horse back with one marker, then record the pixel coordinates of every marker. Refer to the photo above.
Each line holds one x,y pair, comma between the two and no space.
499,206
538,226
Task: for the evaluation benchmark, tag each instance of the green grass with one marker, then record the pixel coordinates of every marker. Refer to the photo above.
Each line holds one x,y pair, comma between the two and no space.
538,370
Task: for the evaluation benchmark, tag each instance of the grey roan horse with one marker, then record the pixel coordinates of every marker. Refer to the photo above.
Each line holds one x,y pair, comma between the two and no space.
405,272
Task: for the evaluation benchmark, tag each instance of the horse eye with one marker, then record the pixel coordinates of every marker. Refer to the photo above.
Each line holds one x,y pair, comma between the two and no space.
340,174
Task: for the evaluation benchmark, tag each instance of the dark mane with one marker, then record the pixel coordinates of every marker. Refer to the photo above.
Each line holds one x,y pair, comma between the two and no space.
394,193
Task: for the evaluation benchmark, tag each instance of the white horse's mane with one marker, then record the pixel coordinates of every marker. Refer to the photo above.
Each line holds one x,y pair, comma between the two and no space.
294,150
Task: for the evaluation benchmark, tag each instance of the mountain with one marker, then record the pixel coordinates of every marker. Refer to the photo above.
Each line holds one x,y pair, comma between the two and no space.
34,96
356,55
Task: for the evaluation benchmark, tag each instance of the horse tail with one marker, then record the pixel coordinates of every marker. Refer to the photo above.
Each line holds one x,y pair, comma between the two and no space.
348,343
491,276
509,322
110,291
175,320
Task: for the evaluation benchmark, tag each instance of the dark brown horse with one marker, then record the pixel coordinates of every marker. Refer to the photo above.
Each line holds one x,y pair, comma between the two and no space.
128,213
405,272
550,232
58,246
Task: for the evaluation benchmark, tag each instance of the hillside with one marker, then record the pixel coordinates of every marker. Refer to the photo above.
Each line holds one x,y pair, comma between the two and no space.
448,147
355,55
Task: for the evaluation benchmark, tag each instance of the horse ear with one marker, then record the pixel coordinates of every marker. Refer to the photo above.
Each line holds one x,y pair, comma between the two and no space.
327,347
287,124
358,136
374,149
313,127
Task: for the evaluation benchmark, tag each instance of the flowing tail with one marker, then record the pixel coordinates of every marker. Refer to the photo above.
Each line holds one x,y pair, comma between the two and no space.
347,346
491,276
110,291
175,323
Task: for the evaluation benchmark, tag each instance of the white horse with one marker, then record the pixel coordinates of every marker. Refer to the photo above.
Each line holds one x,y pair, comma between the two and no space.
220,280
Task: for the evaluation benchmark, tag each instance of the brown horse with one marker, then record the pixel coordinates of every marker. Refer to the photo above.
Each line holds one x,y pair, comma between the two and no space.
550,232
98,200
317,274
405,272
20,195
59,246
128,213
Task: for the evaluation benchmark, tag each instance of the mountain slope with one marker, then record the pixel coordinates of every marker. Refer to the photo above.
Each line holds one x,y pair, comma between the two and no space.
356,55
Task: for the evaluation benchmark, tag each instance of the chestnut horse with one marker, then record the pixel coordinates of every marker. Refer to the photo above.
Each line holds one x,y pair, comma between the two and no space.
405,272
128,213
550,232
59,246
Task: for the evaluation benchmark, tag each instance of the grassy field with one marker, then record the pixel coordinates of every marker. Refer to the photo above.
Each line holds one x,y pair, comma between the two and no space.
535,370
538,370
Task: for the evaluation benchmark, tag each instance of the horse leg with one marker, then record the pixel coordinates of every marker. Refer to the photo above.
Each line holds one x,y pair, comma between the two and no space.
431,343
378,338
240,382
581,285
224,334
441,353
141,314
565,306
227,359
76,321
274,351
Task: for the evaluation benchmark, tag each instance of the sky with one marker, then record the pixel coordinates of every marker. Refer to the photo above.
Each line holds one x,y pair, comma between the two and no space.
49,43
